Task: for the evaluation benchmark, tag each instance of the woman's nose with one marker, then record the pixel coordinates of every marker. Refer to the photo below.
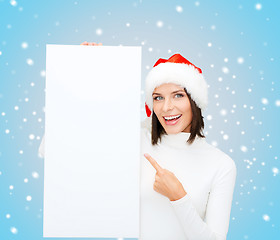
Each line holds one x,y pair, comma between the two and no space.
168,105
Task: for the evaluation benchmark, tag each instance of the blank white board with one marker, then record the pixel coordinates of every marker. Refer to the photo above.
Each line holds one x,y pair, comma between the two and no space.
92,141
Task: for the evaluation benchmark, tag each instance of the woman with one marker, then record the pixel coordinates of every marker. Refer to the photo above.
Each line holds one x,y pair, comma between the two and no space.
193,182
186,184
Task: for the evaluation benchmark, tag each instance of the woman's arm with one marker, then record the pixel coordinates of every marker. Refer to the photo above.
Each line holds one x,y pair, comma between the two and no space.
218,207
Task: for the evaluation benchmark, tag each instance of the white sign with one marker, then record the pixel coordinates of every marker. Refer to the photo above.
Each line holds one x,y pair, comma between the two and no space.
92,141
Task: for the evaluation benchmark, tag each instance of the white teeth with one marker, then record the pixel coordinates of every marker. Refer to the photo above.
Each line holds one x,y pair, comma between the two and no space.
170,118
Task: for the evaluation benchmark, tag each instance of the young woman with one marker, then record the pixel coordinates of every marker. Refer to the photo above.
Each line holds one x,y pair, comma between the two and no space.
186,184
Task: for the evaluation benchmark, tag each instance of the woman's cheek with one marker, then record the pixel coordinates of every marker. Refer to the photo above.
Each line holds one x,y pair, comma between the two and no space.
156,108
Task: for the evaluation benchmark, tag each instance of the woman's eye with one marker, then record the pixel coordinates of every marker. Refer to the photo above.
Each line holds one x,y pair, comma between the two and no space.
157,98
179,95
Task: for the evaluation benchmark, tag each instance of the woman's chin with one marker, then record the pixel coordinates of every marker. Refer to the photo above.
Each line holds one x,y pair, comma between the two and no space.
172,131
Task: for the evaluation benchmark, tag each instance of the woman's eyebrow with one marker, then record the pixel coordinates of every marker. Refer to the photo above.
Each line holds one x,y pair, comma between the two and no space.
172,92
178,91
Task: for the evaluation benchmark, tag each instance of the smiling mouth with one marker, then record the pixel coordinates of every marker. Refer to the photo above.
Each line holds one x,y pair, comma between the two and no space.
172,118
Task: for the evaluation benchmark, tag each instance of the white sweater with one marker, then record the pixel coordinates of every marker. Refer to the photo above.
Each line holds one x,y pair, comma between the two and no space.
207,175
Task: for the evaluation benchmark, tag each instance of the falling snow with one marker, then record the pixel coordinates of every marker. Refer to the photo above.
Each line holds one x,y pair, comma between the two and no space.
13,3
240,60
258,6
266,217
242,89
275,171
225,137
43,73
24,45
223,112
159,24
225,70
264,101
31,136
214,143
179,9
243,149
35,175
29,61
99,31
28,198
13,230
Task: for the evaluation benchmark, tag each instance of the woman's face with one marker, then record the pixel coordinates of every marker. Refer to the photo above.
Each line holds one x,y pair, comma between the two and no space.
172,108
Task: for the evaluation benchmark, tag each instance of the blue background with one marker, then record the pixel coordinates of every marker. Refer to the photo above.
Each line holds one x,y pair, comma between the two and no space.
235,43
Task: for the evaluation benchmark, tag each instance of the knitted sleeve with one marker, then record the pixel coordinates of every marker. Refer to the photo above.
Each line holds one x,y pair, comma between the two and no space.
216,222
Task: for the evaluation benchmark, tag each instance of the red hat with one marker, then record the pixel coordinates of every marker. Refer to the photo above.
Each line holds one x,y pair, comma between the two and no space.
180,71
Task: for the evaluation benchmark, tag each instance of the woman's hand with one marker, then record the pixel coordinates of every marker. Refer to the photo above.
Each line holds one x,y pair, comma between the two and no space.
91,44
166,182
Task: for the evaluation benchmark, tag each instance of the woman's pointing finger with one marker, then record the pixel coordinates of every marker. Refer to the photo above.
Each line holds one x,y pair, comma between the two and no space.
153,162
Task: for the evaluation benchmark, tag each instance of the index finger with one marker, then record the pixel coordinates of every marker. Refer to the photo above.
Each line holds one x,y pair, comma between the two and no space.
153,162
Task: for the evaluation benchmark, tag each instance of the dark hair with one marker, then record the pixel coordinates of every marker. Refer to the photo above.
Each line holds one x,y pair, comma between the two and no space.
197,124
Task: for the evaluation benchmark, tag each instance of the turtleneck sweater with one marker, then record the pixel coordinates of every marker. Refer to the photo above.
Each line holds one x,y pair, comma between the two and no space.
208,176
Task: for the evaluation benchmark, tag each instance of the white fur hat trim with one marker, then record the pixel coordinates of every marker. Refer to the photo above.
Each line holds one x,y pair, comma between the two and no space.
182,74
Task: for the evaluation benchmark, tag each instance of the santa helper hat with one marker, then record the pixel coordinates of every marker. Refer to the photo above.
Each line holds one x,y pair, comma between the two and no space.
180,71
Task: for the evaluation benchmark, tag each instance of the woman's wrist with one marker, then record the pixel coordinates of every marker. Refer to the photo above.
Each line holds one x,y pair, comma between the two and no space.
178,196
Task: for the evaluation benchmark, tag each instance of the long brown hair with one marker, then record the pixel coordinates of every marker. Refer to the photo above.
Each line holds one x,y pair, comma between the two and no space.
197,124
